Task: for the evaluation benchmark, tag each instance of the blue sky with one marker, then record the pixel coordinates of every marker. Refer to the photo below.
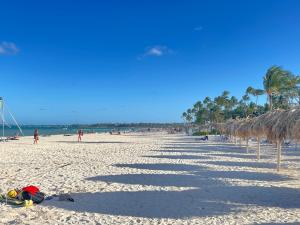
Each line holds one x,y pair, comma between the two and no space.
137,61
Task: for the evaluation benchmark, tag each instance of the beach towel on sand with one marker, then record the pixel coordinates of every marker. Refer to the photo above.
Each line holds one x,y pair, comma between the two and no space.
32,193
11,201
24,197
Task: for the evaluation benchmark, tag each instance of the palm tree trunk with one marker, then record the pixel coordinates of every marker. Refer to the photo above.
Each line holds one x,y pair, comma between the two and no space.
270,102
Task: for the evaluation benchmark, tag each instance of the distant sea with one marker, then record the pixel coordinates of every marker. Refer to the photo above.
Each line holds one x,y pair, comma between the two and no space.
59,129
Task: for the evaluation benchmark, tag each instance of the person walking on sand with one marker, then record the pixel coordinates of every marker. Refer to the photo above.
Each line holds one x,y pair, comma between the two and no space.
36,136
80,134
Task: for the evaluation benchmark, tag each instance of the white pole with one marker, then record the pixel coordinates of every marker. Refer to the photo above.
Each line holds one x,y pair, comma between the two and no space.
247,145
14,120
2,119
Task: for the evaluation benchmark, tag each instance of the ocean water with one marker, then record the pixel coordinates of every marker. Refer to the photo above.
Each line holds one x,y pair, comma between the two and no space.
52,130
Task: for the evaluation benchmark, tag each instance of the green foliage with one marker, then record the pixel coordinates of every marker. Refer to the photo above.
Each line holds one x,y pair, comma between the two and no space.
281,87
200,133
205,133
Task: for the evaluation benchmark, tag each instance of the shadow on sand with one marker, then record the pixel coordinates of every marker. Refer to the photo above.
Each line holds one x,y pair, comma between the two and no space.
176,157
213,198
242,164
161,166
207,148
209,194
195,179
200,171
295,223
93,142
242,156
184,150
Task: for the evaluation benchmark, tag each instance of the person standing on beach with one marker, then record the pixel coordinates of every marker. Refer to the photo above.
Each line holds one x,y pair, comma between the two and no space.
80,134
36,136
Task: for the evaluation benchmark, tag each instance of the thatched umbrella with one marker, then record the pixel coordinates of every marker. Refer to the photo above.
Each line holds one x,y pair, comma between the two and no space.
233,128
294,129
276,126
243,130
286,126
262,127
220,127
226,127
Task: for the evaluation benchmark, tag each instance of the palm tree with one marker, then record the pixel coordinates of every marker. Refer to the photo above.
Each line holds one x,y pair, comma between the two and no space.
187,116
274,81
291,89
255,92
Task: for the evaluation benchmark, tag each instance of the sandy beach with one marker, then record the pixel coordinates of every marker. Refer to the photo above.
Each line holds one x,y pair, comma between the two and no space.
154,178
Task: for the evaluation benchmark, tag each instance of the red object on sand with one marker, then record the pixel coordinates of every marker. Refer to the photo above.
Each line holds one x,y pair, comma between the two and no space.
31,189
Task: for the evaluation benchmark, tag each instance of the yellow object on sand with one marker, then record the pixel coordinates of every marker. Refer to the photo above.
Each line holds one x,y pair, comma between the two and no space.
28,203
12,193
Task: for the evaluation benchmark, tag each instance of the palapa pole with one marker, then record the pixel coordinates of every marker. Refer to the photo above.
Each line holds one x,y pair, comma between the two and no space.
258,148
278,155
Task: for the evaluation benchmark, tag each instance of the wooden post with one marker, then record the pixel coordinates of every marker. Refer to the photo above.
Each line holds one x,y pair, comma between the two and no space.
247,141
258,149
278,155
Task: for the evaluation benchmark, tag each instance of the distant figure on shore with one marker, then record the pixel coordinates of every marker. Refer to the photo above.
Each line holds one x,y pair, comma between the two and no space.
80,134
116,132
36,136
205,138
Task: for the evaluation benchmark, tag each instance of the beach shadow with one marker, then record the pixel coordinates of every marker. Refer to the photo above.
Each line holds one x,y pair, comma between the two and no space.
209,148
210,201
197,148
198,178
293,223
181,151
161,166
176,157
93,142
147,204
185,139
242,156
291,152
161,180
242,175
242,164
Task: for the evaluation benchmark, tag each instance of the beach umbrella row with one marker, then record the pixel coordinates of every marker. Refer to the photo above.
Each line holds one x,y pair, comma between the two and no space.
276,126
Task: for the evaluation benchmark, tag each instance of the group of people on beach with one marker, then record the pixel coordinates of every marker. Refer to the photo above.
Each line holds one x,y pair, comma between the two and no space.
36,135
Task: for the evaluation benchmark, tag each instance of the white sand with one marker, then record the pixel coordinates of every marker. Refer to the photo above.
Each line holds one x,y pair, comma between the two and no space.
149,179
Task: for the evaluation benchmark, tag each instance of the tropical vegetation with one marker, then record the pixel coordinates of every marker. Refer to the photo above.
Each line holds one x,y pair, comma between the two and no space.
280,86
